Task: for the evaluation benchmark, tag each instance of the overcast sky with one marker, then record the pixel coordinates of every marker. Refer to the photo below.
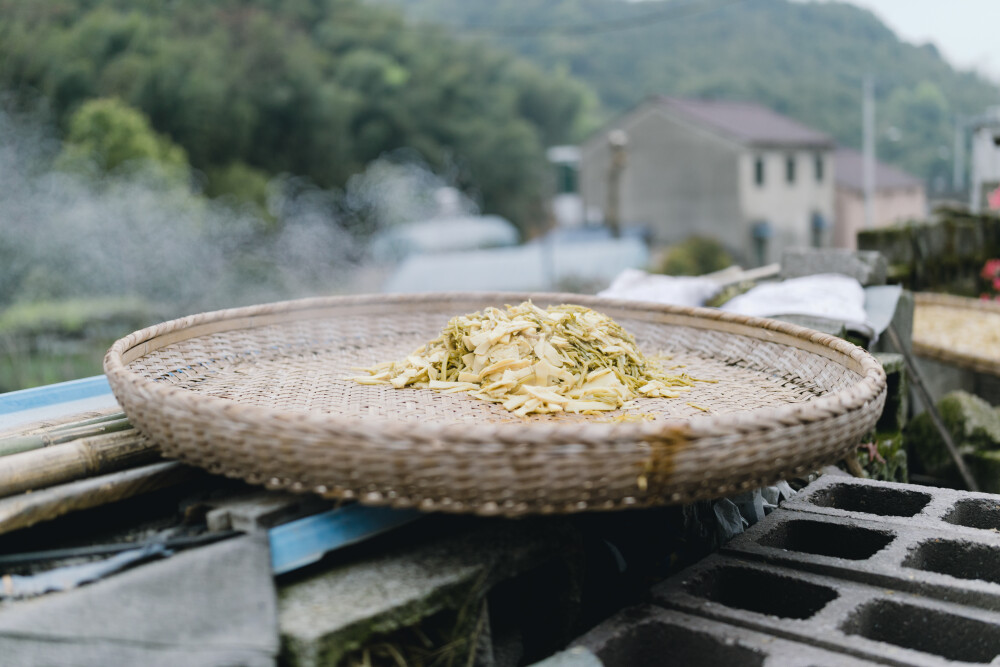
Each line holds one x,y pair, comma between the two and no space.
966,32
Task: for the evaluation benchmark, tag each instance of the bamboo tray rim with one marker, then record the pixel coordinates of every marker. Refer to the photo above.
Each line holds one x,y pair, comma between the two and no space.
154,337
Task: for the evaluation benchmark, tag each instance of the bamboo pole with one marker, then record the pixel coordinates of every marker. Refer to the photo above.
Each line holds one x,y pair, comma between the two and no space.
28,509
65,433
65,422
85,457
114,416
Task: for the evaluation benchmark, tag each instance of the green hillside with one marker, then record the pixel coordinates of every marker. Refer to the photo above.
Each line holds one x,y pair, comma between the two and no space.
315,88
803,59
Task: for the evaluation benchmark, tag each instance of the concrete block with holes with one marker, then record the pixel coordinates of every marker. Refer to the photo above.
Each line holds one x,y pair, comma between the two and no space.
834,614
651,635
848,571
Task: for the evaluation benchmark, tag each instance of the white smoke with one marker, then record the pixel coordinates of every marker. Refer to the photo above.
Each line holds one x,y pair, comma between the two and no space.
130,234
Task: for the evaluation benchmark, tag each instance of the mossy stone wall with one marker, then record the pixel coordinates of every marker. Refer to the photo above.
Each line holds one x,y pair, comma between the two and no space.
944,254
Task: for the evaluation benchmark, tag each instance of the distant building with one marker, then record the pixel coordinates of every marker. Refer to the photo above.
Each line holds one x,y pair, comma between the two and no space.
986,161
751,178
899,196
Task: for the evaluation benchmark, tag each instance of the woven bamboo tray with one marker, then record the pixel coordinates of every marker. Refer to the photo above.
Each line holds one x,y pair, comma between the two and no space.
958,330
259,393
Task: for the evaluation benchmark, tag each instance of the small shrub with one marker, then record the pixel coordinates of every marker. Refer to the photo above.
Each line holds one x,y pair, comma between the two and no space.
695,256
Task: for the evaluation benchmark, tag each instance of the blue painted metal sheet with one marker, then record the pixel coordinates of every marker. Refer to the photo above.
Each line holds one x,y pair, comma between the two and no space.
299,543
53,394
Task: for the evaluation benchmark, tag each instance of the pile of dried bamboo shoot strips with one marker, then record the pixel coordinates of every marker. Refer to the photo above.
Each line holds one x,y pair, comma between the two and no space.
564,358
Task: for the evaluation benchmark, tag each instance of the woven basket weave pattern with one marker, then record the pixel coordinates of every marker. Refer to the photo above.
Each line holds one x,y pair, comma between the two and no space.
958,330
261,394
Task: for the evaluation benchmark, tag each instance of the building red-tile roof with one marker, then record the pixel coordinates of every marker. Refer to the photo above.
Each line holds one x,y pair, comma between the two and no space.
746,122
849,173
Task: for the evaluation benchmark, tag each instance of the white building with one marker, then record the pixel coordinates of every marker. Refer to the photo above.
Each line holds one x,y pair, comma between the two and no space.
755,180
985,159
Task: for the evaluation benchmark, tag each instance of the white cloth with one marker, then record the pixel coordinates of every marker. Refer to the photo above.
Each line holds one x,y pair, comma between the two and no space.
828,295
673,290
831,296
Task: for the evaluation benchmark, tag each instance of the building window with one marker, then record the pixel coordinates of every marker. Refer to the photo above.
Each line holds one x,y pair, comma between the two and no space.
758,171
819,168
790,169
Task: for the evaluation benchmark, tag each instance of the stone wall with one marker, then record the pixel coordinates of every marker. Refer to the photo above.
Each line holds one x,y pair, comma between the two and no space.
944,254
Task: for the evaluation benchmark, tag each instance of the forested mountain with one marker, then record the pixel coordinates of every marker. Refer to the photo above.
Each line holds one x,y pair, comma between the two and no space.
313,88
803,59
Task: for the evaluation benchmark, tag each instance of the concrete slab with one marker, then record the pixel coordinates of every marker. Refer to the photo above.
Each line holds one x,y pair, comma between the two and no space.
325,616
572,657
866,266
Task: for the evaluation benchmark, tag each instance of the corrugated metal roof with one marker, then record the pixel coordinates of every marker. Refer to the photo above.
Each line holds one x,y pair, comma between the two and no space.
849,173
746,122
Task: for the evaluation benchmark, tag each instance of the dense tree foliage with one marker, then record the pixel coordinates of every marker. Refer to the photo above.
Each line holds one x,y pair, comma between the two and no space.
803,59
105,135
315,88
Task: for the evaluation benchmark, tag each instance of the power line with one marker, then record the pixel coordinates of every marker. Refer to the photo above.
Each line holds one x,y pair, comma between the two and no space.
673,11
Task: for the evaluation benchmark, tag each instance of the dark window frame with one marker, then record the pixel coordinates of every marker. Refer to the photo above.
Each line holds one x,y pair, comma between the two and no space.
817,229
760,234
790,169
758,171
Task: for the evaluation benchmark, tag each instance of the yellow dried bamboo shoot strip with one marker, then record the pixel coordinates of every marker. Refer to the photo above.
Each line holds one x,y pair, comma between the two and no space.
565,358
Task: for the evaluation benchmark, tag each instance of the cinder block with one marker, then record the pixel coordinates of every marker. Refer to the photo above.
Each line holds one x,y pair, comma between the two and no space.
867,267
928,557
650,635
848,571
952,513
866,622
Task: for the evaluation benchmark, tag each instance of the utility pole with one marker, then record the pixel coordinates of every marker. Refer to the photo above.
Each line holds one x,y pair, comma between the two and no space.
617,141
958,156
868,148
